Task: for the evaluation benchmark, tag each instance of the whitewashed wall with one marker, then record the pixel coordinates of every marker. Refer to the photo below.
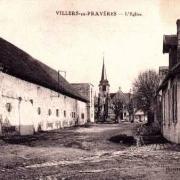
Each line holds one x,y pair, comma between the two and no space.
25,98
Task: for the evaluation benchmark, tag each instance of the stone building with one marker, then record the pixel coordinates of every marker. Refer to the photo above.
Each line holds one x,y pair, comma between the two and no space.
34,96
169,89
87,90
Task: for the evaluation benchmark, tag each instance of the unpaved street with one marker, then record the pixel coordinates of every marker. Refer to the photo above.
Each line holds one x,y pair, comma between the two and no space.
87,153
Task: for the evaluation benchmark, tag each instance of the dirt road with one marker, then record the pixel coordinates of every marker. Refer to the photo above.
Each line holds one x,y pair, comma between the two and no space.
86,153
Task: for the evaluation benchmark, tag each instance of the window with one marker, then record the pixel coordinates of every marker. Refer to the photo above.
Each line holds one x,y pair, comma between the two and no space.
64,113
57,112
82,116
8,107
39,110
104,88
49,112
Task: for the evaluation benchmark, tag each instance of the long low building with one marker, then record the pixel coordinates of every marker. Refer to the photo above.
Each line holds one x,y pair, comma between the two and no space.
168,99
34,96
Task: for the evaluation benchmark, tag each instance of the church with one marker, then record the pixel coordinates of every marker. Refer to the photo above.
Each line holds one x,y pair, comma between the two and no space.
115,107
106,111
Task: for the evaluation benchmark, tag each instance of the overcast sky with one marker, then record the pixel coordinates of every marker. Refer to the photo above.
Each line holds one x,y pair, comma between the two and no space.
76,44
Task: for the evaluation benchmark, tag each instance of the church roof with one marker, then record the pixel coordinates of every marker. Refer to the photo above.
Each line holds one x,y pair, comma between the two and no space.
124,96
18,63
112,95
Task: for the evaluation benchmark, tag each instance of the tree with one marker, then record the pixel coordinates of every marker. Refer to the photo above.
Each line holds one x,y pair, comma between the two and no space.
144,88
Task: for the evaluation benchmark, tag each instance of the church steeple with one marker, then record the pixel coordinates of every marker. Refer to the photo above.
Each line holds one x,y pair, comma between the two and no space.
103,96
103,75
104,80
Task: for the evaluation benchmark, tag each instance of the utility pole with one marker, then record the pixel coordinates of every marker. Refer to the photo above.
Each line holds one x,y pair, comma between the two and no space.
58,79
58,82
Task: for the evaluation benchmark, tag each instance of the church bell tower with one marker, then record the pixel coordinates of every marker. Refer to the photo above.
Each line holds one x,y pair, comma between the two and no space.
103,97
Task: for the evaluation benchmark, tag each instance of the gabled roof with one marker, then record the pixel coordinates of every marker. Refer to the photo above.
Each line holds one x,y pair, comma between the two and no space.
169,41
18,63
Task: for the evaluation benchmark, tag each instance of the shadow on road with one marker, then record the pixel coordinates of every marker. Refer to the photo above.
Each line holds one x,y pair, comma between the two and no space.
132,140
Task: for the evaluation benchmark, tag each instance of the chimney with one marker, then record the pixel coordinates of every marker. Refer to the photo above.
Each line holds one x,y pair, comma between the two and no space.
178,40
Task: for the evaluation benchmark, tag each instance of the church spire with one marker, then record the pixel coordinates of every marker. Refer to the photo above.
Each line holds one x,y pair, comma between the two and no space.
103,75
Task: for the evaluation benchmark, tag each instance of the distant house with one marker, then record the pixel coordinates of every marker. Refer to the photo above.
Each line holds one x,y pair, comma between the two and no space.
34,96
140,116
87,90
169,90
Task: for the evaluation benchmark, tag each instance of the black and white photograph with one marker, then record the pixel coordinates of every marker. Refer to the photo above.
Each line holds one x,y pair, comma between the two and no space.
90,90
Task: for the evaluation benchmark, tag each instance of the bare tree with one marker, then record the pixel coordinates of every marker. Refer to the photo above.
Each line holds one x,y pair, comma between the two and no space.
145,87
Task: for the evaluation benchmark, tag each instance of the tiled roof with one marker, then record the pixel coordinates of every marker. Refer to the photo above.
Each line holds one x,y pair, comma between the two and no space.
18,63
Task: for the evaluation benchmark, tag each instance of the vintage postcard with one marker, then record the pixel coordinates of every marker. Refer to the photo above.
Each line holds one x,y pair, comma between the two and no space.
90,89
